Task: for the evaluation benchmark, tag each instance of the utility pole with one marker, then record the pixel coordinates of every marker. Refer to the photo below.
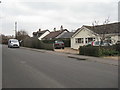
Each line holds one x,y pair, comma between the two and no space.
16,30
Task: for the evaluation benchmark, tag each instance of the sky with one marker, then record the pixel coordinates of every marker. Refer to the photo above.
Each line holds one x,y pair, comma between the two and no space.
48,14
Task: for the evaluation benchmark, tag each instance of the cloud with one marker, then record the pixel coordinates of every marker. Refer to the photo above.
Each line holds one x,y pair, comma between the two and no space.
34,14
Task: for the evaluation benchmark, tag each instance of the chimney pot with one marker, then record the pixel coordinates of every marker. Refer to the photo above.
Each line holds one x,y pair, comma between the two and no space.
54,29
61,28
39,29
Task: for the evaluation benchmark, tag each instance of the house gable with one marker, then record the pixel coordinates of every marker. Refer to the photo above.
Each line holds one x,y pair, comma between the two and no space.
83,32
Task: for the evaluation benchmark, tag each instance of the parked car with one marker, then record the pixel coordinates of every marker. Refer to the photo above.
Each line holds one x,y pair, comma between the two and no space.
59,44
98,43
13,43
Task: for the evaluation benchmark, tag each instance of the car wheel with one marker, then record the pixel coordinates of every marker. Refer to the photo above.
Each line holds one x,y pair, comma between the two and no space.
62,47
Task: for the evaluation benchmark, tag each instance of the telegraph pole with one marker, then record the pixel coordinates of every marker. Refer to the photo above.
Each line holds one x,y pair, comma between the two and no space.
16,30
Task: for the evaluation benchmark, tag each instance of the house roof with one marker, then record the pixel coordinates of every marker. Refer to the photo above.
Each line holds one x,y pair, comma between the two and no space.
107,29
111,28
40,32
66,35
54,34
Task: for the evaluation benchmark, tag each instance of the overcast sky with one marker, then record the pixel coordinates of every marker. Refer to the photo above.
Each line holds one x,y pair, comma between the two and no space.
47,14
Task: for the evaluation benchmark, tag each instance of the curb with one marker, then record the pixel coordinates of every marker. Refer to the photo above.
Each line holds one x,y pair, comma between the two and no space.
91,60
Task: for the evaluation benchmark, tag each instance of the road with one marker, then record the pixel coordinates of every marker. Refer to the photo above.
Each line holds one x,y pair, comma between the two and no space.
23,68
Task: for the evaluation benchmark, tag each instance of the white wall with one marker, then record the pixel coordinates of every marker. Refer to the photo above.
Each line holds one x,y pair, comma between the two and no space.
43,35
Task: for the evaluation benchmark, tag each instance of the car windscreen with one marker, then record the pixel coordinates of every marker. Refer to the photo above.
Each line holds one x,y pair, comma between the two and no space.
58,42
14,41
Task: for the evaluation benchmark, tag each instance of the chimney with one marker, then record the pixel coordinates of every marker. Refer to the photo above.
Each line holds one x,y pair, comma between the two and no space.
54,29
61,28
39,29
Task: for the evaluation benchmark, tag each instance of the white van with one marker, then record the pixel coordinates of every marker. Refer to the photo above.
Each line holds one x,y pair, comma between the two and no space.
13,43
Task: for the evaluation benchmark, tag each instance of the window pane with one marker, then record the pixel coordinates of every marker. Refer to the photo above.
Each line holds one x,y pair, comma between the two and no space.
79,40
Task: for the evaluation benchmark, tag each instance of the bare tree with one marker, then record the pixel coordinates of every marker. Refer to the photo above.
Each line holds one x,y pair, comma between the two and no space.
104,29
95,23
22,34
4,38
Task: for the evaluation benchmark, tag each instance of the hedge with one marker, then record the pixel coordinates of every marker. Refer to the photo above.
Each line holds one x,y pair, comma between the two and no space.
99,50
36,43
66,41
46,46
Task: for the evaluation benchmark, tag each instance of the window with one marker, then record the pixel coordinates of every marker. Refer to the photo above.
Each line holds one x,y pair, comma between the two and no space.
90,39
79,40
87,40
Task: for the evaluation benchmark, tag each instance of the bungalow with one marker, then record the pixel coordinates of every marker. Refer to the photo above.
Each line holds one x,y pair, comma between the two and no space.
85,34
41,34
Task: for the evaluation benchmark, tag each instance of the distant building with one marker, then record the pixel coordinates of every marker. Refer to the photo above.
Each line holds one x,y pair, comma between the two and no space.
41,34
56,34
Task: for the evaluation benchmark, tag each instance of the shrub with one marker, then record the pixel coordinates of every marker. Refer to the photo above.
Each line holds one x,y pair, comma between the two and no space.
107,52
117,47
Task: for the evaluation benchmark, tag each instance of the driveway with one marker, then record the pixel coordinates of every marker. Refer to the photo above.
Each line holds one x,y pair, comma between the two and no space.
67,50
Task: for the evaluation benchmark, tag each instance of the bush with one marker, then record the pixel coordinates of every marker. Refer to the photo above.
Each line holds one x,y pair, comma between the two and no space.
117,47
107,52
98,51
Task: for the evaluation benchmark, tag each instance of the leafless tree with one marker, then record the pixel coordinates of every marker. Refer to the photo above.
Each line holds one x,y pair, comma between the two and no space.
95,23
104,29
22,34
4,39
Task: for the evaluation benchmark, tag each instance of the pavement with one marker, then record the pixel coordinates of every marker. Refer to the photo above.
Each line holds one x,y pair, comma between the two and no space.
74,54
34,68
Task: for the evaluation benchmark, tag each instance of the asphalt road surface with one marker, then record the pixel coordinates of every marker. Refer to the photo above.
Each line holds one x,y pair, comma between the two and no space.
23,68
